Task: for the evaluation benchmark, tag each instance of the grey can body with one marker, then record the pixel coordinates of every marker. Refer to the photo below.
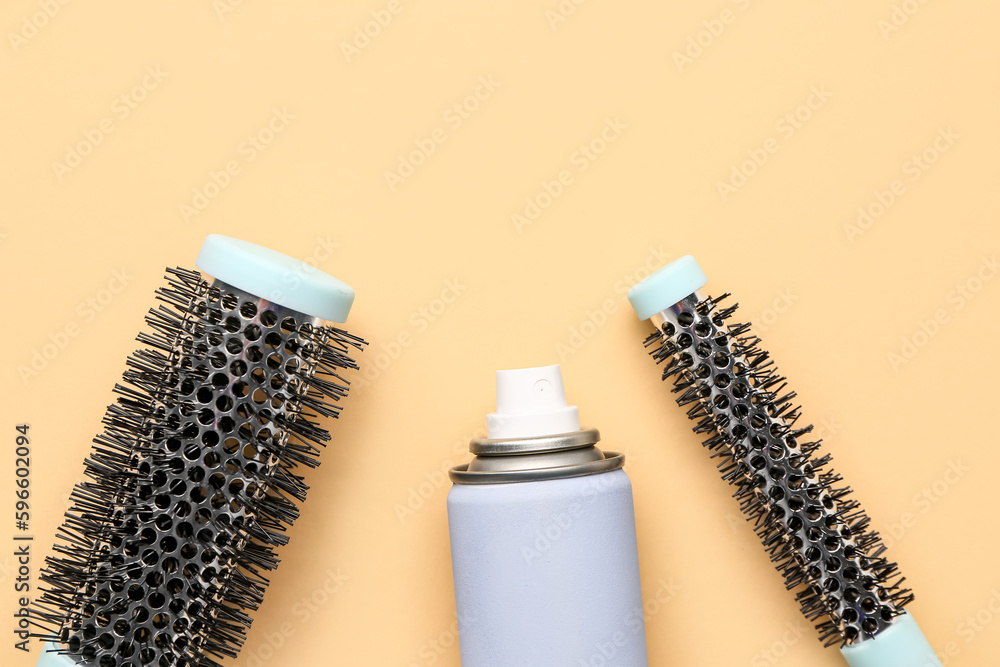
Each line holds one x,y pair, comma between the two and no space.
547,572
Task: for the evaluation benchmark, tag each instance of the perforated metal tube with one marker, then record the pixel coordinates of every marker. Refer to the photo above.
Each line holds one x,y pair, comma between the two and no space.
197,478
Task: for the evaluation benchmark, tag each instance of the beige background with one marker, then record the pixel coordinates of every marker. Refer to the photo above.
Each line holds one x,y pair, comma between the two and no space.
835,299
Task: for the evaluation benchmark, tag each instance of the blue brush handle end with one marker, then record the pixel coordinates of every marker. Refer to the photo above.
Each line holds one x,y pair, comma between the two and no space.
665,287
48,659
901,645
279,278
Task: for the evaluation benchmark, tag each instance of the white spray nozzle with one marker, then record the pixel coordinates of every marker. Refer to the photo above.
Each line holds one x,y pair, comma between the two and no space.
531,402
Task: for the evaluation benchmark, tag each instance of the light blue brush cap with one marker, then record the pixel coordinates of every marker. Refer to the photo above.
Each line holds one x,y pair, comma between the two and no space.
678,279
902,644
276,277
47,659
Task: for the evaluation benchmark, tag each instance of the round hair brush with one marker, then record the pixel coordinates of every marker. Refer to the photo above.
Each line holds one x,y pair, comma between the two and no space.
816,535
193,481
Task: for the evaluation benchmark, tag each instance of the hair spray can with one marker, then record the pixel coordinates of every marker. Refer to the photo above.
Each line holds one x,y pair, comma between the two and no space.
543,541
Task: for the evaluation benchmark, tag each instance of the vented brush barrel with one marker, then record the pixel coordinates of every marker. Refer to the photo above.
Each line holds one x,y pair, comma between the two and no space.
816,535
194,482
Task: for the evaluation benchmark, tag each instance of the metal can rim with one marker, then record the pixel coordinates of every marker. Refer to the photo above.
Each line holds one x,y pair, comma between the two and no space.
534,445
612,461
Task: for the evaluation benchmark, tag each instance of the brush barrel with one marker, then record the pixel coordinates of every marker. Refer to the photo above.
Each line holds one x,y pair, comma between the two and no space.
197,475
215,484
816,535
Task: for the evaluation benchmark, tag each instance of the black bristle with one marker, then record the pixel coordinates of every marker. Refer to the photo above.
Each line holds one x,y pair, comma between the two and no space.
192,484
815,534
